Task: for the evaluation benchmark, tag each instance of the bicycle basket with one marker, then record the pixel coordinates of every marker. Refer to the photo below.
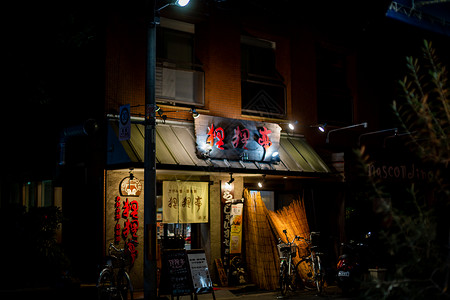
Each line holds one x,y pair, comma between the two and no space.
284,249
121,259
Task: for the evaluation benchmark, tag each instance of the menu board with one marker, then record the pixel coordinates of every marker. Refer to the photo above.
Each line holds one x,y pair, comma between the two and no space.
176,277
201,279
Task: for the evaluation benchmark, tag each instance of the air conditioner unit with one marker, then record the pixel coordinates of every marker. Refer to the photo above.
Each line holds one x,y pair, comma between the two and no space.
179,85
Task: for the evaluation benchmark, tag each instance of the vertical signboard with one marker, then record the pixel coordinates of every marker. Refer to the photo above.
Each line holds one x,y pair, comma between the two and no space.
124,123
236,228
123,216
201,279
176,278
227,192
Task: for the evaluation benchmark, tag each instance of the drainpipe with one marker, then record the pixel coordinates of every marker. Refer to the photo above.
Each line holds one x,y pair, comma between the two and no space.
87,128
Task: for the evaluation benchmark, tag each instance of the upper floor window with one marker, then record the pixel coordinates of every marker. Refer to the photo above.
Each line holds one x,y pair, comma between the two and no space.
263,90
334,97
178,79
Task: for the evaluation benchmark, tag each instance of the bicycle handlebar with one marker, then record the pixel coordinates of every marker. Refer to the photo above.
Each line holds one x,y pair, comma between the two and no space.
287,239
311,234
121,251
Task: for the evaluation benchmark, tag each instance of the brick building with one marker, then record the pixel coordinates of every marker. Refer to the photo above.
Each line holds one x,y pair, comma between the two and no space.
234,70
231,61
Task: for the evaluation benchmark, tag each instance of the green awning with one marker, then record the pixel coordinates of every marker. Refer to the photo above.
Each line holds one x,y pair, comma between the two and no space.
175,148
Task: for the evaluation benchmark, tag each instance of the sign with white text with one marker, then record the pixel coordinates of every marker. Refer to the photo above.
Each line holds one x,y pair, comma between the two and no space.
201,279
124,123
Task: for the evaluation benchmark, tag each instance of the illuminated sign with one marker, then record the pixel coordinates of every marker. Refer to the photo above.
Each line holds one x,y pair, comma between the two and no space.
185,202
130,186
233,139
126,224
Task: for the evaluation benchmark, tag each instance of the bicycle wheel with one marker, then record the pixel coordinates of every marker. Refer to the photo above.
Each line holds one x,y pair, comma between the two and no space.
284,284
318,274
293,279
105,285
304,274
124,286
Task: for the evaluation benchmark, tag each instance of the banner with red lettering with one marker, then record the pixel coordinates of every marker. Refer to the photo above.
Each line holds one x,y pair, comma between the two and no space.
234,139
185,202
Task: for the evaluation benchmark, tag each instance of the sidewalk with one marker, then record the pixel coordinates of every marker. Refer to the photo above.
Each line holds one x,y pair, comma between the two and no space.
253,293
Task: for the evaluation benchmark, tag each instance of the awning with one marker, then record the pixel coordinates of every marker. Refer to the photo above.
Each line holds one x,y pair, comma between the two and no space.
176,149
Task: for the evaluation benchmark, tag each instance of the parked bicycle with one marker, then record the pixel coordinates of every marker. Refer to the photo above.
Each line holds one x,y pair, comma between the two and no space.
287,252
315,274
114,281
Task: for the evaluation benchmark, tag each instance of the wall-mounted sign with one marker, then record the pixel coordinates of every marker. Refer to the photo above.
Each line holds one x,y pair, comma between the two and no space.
123,220
130,186
397,171
234,139
124,123
185,202
126,224
227,191
226,229
236,228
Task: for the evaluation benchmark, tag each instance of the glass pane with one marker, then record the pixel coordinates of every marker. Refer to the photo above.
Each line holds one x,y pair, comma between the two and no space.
47,193
177,46
263,98
268,197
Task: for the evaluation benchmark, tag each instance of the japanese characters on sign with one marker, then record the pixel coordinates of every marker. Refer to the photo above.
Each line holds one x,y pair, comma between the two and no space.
233,139
236,228
199,271
185,202
227,192
175,275
126,224
226,227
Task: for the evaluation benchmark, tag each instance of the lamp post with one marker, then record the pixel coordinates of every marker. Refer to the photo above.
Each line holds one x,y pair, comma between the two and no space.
150,269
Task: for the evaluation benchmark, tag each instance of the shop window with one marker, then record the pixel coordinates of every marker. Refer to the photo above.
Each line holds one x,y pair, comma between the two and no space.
177,236
37,194
178,78
263,91
334,97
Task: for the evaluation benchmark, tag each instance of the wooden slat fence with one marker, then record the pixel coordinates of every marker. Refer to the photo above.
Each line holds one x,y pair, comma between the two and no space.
262,228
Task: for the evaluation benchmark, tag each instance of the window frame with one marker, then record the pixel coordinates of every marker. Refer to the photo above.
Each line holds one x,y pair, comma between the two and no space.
264,79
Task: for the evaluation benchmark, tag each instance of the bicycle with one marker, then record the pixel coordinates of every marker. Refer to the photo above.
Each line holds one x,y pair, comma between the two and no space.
287,252
114,281
316,274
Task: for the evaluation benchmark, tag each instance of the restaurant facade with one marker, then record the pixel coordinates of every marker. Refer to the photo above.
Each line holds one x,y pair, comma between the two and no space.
225,96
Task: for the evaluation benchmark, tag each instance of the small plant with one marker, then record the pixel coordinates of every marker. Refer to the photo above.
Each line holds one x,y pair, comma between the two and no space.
32,255
416,236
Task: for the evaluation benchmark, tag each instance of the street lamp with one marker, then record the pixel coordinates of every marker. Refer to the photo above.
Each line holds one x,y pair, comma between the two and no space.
344,128
150,269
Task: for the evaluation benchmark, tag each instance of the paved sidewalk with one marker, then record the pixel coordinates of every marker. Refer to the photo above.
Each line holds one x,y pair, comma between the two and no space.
331,292
89,292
